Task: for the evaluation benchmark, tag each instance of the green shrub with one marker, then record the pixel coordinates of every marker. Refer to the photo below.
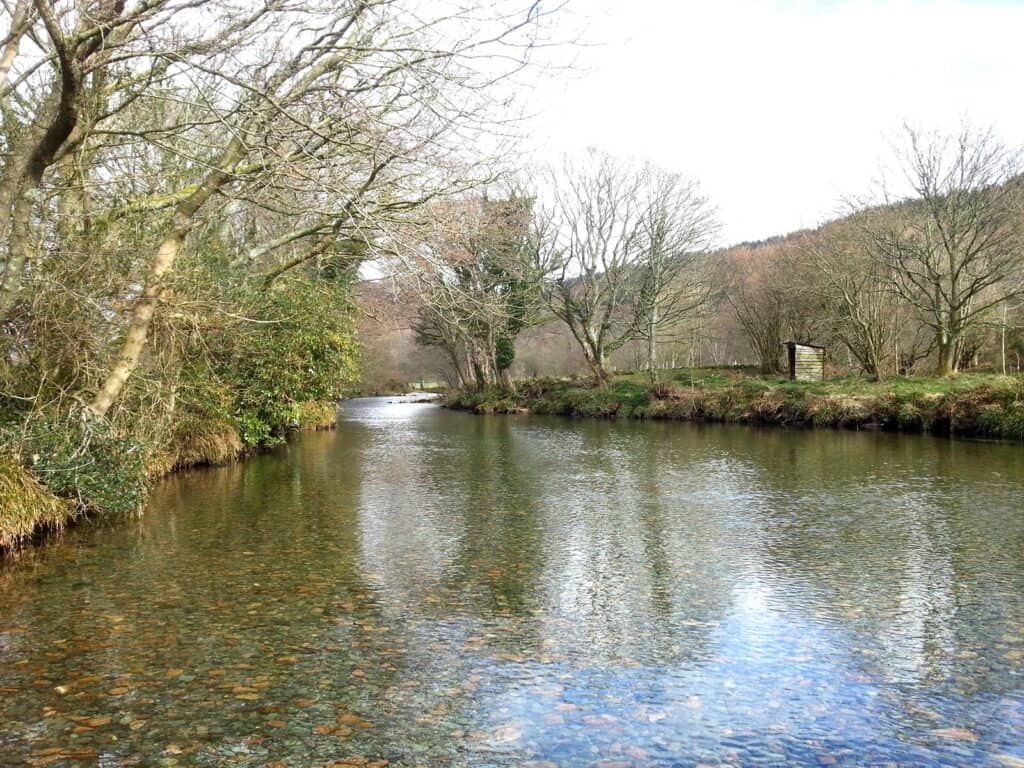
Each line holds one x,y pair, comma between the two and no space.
307,352
504,353
86,462
1012,422
668,391
536,388
988,406
909,417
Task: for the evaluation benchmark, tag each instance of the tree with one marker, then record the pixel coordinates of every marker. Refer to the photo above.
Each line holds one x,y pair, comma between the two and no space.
187,187
331,137
953,246
864,310
88,64
475,295
678,225
775,296
616,251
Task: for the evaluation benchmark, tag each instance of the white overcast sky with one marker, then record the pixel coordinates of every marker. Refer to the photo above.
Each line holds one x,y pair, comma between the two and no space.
781,107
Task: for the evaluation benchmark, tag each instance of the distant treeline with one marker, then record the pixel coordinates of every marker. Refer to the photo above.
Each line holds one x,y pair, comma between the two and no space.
610,269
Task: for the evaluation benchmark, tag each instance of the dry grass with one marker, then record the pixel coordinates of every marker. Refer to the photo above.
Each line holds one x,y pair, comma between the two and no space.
26,506
197,442
202,441
317,414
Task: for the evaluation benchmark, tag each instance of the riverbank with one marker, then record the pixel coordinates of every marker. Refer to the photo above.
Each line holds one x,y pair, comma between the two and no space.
41,495
984,405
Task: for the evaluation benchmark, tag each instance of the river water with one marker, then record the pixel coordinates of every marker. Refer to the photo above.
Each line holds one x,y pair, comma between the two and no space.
431,588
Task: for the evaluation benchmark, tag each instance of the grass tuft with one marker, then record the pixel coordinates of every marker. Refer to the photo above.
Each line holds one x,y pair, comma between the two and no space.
26,506
316,414
200,440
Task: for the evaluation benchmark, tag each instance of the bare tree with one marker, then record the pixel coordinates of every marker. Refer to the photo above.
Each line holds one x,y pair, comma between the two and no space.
775,295
864,309
953,246
678,225
69,67
616,250
475,295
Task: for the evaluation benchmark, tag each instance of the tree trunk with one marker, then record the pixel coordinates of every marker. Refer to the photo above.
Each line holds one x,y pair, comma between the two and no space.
593,352
477,359
770,363
874,367
652,344
74,205
29,160
946,364
506,381
142,319
19,24
479,376
874,364
1002,341
599,368
57,127
19,248
145,306
453,356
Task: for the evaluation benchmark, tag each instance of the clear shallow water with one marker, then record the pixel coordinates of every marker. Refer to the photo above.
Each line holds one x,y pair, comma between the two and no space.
433,588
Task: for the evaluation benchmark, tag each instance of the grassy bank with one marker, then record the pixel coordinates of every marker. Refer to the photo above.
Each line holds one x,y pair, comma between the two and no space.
54,473
970,404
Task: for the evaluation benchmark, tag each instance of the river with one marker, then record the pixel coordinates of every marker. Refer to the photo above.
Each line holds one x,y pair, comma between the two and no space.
431,588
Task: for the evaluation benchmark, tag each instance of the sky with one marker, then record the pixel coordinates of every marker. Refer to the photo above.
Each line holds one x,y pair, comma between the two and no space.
782,109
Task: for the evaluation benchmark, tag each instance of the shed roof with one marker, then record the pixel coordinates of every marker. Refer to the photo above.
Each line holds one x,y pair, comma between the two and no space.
802,344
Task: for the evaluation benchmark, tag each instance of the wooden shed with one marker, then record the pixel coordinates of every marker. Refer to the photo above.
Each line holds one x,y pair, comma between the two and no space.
806,361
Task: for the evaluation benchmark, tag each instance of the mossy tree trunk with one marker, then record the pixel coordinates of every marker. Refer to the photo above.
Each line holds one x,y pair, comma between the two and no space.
163,261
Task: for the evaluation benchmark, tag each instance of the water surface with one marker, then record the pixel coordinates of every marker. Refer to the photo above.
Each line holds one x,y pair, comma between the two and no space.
430,588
